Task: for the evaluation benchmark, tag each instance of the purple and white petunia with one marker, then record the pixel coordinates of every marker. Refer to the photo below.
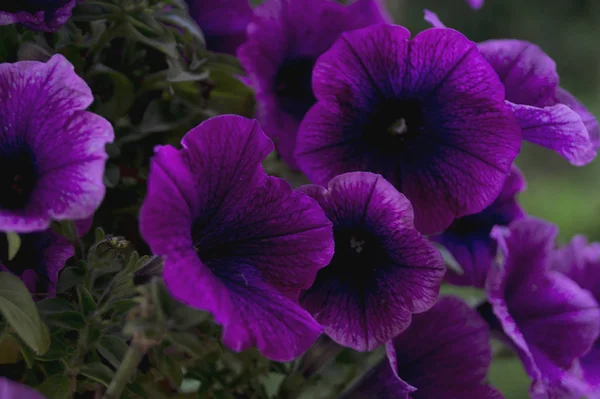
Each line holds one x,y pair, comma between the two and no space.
13,390
52,151
546,316
549,115
223,22
445,353
581,262
41,15
383,269
468,238
236,242
427,113
284,40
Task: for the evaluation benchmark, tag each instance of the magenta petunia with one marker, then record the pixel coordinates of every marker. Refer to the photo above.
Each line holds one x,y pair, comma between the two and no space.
223,22
427,113
476,4
383,269
445,353
13,390
547,317
549,115
284,40
468,238
236,242
581,262
41,15
52,151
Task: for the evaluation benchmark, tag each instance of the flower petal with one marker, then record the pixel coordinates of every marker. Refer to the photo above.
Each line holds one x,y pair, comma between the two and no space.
557,128
13,390
588,119
528,74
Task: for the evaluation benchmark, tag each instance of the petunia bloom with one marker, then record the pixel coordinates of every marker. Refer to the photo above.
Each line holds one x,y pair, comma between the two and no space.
476,4
40,258
427,113
468,238
41,15
236,242
549,115
52,151
284,40
581,262
445,353
13,390
223,22
546,316
383,269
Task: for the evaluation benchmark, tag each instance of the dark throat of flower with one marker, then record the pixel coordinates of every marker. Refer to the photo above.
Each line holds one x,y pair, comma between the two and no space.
293,86
358,255
18,175
394,125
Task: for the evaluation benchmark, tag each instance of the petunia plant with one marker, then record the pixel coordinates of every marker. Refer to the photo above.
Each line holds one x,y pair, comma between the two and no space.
282,199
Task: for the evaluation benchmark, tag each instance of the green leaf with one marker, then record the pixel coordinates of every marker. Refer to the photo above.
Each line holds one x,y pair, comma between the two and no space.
97,372
112,348
14,243
121,307
56,387
20,312
10,349
451,262
123,91
168,367
61,313
87,303
191,344
99,234
473,296
69,278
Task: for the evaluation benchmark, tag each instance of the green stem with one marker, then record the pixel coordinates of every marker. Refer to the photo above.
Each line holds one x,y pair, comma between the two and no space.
126,370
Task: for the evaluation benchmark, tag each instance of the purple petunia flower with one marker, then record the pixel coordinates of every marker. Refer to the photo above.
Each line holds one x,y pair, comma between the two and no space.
41,15
383,269
13,390
549,319
41,257
476,4
549,115
581,262
223,22
468,238
237,242
428,114
52,151
445,353
284,40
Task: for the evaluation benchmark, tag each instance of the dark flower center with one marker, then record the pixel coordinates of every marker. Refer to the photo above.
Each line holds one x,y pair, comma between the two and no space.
293,86
18,175
358,257
394,126
29,257
31,6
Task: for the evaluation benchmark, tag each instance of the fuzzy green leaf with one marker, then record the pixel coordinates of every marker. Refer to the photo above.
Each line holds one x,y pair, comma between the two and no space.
19,310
